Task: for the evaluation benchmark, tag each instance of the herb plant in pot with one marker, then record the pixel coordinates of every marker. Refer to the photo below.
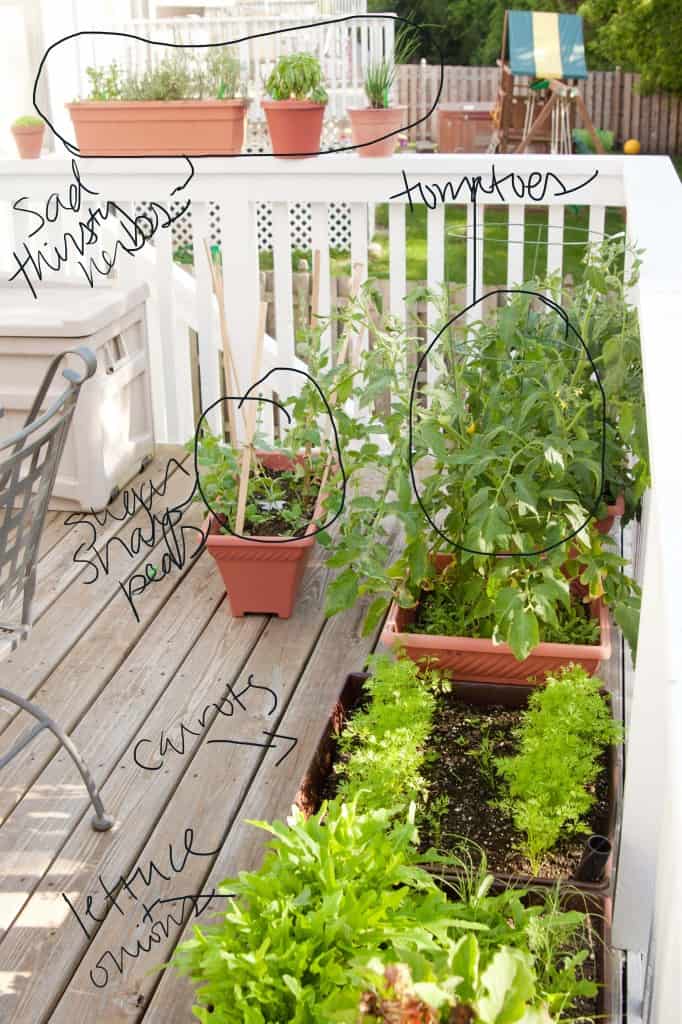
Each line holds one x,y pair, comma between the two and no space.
269,500
381,118
188,104
295,110
28,134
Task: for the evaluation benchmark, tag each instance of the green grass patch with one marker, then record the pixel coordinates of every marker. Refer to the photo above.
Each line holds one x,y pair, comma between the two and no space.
495,234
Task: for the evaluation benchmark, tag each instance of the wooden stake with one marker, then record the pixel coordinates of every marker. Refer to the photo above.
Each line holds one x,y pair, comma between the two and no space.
230,370
251,411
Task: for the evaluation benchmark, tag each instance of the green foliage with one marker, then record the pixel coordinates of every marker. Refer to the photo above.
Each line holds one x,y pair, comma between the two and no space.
28,121
457,605
297,76
640,35
282,505
562,736
380,75
509,459
341,896
383,745
183,75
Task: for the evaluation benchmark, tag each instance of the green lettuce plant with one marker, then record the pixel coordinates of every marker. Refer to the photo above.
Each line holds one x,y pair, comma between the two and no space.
562,736
339,896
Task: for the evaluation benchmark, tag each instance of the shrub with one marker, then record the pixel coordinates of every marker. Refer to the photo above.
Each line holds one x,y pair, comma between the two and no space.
565,730
384,744
340,896
297,76
27,121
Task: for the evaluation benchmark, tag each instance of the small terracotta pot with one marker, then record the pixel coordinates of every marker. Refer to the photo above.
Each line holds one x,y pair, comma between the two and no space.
479,660
369,123
29,140
295,126
159,127
261,577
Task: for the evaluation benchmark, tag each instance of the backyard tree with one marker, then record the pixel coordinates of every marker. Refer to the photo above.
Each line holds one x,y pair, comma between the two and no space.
641,35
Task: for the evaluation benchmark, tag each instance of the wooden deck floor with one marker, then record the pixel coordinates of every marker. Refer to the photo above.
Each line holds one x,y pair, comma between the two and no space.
179,774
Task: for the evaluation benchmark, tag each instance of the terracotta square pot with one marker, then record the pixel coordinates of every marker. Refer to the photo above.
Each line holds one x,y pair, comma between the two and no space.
262,575
159,127
479,660
295,126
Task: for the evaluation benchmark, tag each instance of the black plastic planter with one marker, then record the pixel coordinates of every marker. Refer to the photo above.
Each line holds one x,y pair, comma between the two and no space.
595,881
590,897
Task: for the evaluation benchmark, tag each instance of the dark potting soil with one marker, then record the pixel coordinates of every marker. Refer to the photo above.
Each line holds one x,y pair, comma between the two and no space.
455,770
292,491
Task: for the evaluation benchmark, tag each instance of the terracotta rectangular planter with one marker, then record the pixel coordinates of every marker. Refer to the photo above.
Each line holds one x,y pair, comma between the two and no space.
159,127
262,575
479,660
593,894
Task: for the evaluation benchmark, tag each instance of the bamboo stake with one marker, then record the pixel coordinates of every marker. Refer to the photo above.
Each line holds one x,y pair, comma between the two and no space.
245,467
230,370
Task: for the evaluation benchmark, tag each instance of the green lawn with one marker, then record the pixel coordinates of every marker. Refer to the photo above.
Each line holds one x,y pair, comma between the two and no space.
495,231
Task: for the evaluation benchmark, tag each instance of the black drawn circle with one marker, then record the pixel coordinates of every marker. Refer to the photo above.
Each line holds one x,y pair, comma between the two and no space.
568,326
74,150
247,398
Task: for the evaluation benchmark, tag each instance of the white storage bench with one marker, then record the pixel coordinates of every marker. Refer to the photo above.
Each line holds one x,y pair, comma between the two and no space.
111,435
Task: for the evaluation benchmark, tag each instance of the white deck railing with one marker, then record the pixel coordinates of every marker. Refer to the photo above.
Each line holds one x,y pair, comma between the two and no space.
646,188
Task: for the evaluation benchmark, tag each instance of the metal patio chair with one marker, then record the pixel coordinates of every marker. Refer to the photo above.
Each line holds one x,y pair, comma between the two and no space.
28,469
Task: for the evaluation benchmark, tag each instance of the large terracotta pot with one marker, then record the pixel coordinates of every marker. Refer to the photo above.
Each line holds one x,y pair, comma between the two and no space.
369,123
29,140
479,660
260,576
295,126
159,127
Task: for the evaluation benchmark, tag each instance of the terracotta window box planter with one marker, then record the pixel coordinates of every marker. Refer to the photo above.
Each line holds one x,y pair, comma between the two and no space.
479,660
29,140
159,127
295,126
593,895
369,123
262,575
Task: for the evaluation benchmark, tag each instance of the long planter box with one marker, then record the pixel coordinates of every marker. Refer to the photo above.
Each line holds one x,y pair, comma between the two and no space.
479,660
593,894
159,127
586,898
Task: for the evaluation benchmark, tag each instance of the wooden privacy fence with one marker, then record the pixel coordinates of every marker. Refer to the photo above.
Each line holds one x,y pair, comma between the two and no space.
611,97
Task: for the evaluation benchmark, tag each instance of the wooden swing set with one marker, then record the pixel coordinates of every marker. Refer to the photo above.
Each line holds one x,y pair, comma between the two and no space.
541,62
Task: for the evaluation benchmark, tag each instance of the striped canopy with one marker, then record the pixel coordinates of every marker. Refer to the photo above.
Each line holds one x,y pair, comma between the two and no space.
545,45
